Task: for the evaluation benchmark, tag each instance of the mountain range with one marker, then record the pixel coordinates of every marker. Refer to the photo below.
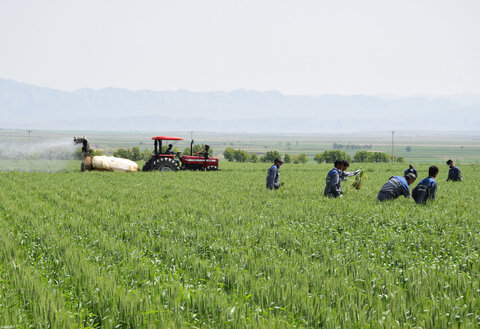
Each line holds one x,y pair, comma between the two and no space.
26,106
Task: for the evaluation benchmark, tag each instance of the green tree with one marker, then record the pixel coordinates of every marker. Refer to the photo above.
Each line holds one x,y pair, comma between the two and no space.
146,154
270,156
408,148
96,152
253,157
240,155
380,157
136,154
331,156
318,157
229,154
301,158
287,158
362,156
123,153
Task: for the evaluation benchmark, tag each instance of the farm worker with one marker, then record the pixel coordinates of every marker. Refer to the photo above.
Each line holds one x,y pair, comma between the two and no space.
273,177
333,186
344,174
411,170
427,188
169,149
395,187
454,174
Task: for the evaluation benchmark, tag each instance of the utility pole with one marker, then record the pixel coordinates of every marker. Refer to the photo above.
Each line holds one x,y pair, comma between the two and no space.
29,132
393,147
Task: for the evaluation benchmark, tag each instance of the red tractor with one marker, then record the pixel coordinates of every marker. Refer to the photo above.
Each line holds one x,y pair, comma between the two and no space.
169,161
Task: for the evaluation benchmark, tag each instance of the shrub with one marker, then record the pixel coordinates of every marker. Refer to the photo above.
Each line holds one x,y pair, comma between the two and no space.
332,156
229,154
301,158
270,156
253,157
240,155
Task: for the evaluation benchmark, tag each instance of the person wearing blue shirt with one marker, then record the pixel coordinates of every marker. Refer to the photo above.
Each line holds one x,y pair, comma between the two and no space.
411,170
345,174
454,174
273,177
333,187
395,187
427,188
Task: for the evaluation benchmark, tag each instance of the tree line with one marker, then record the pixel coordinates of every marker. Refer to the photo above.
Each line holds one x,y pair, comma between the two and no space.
360,156
238,155
329,156
337,146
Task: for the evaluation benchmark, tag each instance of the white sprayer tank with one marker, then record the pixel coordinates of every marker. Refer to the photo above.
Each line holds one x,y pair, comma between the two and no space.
113,164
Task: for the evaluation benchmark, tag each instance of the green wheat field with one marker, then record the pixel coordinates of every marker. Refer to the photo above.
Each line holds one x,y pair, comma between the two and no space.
218,250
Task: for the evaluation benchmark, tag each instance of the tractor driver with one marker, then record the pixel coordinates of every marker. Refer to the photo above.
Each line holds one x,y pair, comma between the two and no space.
169,149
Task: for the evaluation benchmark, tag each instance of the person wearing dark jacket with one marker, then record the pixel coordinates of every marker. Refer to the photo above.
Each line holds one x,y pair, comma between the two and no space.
395,187
411,170
454,174
169,150
333,186
273,177
427,188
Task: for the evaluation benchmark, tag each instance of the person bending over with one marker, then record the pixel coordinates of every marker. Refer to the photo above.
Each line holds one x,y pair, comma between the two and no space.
411,170
427,188
395,187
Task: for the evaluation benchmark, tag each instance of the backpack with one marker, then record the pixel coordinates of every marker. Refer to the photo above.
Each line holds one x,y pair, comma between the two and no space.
420,193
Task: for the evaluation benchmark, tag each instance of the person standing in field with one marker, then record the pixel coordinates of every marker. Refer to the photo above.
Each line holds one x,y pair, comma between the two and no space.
395,187
411,170
427,188
454,174
344,174
333,186
273,177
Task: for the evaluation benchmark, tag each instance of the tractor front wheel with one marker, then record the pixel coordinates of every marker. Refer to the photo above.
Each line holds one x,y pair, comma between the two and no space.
148,165
165,164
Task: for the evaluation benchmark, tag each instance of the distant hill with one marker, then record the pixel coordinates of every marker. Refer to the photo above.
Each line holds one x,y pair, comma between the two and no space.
27,106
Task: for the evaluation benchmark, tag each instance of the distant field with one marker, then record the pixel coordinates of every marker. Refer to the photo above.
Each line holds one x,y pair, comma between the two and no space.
218,250
426,147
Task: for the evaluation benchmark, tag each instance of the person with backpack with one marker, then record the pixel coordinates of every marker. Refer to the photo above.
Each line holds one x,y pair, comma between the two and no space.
395,187
333,186
427,188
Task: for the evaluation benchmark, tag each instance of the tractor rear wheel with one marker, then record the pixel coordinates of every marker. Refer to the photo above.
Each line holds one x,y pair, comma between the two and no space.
165,164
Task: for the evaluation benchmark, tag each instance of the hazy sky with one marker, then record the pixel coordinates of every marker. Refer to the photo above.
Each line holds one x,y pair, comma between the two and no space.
296,47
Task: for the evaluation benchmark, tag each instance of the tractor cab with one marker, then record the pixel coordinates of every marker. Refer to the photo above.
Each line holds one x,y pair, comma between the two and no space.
169,161
158,145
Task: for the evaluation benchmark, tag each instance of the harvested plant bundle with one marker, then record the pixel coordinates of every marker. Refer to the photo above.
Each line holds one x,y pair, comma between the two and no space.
359,179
